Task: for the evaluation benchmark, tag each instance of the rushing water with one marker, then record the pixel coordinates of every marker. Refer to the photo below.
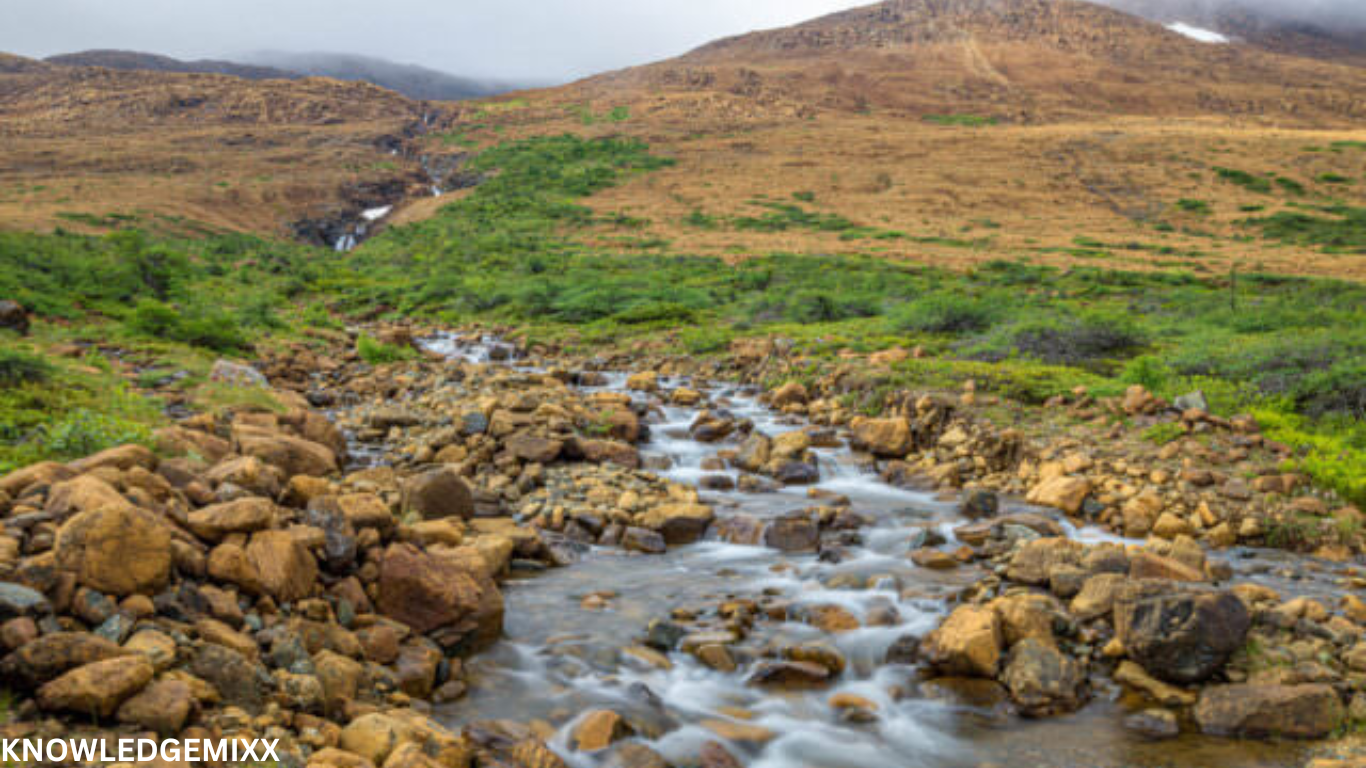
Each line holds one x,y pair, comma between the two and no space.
559,659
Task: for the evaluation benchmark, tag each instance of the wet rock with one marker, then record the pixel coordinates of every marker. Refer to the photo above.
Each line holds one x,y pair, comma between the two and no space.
438,494
96,689
1269,711
903,650
664,635
1154,724
754,453
1097,596
1147,565
678,523
116,550
1182,636
1041,679
792,533
633,755
797,473
789,675
643,540
820,653
598,729
934,559
713,755
791,393
979,504
968,643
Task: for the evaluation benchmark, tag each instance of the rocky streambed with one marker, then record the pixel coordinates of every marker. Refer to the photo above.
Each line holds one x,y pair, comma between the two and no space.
801,627
493,558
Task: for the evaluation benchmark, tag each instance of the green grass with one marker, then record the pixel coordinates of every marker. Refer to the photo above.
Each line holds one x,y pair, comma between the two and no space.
970,121
1243,179
1342,229
1198,207
377,352
516,251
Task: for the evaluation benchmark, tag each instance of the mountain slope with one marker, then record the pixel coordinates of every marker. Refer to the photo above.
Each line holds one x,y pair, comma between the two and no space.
1022,60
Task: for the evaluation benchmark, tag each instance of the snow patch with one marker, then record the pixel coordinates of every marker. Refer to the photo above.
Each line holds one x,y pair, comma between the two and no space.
1197,33
374,214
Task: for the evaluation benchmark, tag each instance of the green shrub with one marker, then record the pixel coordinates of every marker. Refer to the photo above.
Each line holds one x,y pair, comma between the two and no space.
1163,433
376,352
1243,179
85,432
1085,338
18,368
947,313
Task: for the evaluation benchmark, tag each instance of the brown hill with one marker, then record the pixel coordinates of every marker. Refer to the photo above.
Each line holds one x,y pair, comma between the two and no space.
82,147
962,131
1021,60
151,62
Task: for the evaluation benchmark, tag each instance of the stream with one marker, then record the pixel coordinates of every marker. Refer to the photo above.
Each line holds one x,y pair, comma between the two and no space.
558,659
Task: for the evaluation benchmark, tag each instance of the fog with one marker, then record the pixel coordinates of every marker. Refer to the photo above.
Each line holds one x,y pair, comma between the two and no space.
527,40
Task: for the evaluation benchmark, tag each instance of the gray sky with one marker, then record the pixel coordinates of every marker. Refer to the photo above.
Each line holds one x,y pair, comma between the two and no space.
512,39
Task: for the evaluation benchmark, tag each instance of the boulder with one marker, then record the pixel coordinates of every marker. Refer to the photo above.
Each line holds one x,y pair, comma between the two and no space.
540,450
1182,636
118,550
968,643
1064,493
122,458
284,565
888,438
437,494
42,473
84,493
163,707
97,689
1035,561
792,533
791,393
242,516
293,455
427,592
1041,679
598,729
48,656
236,374
679,523
1311,711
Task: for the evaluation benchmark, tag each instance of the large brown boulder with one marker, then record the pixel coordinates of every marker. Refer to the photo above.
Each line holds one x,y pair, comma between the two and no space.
678,523
1036,561
122,458
541,450
293,455
427,592
116,550
437,494
42,473
241,516
1180,635
968,643
97,689
1065,493
285,566
83,494
889,438
1269,711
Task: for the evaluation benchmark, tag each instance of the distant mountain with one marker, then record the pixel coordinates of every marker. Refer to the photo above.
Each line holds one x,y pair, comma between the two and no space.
151,62
410,80
1315,33
11,64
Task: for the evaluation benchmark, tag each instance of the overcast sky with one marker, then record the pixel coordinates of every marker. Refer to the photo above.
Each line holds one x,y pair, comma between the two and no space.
521,39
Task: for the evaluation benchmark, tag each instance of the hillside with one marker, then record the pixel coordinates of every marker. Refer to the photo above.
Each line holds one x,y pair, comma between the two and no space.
963,131
92,148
